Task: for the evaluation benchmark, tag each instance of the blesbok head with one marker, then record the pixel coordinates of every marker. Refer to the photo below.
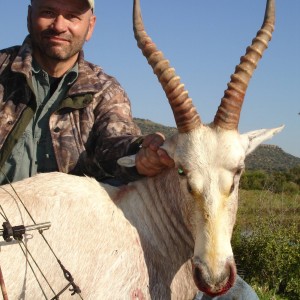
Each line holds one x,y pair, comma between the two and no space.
210,158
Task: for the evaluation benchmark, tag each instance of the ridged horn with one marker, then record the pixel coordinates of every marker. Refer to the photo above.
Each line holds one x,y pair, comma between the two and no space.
185,114
228,113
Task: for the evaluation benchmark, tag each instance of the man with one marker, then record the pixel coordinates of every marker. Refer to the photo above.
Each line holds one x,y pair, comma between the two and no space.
59,112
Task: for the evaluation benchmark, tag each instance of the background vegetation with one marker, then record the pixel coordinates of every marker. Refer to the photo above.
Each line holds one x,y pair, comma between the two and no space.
266,239
266,243
276,181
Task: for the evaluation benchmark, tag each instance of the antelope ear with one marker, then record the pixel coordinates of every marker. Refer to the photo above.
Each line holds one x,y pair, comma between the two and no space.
254,138
127,161
170,145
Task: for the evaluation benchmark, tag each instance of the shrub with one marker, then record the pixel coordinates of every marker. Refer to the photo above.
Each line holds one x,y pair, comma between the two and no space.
264,293
277,182
269,255
291,187
255,180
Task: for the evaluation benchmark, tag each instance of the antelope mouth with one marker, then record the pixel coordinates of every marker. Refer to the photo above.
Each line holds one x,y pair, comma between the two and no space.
210,286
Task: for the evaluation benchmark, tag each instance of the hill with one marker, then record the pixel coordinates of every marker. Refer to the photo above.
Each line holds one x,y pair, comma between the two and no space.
271,158
265,157
148,126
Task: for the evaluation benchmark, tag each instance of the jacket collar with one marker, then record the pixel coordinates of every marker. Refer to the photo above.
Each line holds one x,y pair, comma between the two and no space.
86,83
23,61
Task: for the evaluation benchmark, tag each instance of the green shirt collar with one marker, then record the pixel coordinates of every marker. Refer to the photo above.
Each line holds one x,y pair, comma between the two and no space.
71,74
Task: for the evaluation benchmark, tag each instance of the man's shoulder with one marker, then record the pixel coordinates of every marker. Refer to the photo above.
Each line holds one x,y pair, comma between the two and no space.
92,79
7,55
96,72
10,50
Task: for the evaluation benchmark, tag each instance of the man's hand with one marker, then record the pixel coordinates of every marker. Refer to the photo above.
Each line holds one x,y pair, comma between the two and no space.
151,159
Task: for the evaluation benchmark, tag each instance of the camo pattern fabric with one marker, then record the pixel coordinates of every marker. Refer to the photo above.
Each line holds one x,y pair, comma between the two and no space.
93,125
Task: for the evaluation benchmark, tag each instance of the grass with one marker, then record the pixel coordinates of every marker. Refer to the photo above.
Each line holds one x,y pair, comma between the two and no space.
261,205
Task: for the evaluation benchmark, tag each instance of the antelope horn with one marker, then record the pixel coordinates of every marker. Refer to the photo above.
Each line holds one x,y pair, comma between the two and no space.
228,113
185,114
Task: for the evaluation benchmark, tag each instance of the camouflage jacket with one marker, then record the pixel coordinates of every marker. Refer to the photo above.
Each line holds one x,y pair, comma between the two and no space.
92,127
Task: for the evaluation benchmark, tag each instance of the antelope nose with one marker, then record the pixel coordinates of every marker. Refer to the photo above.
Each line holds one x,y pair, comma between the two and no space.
213,285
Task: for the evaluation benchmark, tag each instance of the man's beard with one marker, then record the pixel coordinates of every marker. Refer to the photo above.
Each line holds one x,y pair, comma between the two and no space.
59,52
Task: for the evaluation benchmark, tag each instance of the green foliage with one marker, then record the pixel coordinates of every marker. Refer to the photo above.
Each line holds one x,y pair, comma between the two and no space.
278,182
254,180
271,253
264,293
295,174
266,243
290,187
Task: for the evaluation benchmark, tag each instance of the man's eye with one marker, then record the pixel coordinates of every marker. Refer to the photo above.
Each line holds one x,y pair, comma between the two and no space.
72,17
47,14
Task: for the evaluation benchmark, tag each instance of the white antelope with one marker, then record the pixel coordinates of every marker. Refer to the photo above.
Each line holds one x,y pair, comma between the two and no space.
157,238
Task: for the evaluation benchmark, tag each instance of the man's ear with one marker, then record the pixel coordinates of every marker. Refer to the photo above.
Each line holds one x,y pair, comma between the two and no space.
92,23
254,138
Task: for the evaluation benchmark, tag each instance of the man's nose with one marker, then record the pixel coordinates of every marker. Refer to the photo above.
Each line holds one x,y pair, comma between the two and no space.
59,24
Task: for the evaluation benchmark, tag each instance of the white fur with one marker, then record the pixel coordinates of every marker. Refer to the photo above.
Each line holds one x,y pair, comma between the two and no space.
135,241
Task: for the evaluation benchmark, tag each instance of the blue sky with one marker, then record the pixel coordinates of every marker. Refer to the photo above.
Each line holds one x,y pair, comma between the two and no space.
204,40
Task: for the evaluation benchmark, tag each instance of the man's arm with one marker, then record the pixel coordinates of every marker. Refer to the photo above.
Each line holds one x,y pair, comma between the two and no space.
114,135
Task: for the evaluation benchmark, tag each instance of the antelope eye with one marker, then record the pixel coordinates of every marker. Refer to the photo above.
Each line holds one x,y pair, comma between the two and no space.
232,189
181,172
239,171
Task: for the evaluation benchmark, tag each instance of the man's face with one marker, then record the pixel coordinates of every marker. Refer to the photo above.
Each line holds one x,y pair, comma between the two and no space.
59,28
